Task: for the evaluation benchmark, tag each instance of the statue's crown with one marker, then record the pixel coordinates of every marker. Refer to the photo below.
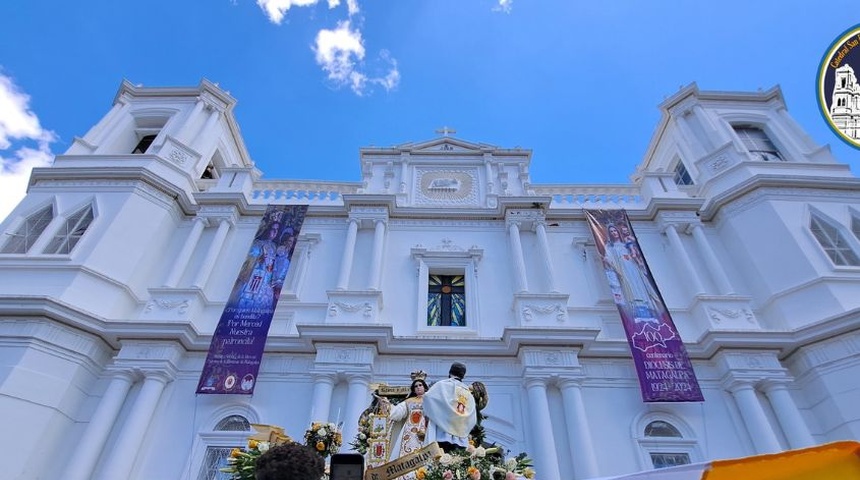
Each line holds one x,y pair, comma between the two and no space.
418,375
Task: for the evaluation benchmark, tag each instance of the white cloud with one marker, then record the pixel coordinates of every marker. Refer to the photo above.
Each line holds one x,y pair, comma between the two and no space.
504,6
337,52
276,9
340,53
351,5
18,124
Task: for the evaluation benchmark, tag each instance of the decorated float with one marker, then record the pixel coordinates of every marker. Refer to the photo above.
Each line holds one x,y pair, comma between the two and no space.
380,440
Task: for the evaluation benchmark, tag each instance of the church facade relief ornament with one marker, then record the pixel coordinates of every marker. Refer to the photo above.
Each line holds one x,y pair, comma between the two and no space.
181,305
447,187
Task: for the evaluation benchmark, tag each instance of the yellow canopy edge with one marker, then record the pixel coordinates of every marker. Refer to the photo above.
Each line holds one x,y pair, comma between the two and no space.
832,461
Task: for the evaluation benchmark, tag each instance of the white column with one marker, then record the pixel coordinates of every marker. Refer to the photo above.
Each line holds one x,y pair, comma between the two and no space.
212,254
321,400
89,447
714,266
720,135
546,256
517,256
127,446
694,143
180,262
104,127
578,432
182,135
376,260
357,401
684,259
544,453
756,422
348,253
404,170
788,415
488,166
207,127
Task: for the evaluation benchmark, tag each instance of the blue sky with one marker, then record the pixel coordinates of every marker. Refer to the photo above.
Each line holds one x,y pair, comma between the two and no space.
578,82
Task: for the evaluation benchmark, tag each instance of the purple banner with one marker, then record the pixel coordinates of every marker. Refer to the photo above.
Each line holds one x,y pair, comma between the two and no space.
664,369
237,345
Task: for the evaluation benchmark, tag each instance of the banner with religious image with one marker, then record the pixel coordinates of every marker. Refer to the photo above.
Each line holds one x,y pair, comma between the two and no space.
237,345
664,369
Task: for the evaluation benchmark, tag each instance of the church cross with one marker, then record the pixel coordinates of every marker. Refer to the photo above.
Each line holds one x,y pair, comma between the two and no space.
445,131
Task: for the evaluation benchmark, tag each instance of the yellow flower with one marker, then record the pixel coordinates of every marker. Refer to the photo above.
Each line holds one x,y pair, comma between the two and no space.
529,472
252,443
235,453
320,446
421,473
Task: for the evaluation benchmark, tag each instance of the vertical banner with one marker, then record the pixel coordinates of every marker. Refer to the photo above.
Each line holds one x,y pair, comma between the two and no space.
237,345
664,369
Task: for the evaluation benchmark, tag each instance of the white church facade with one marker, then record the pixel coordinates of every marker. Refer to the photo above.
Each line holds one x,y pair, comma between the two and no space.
116,267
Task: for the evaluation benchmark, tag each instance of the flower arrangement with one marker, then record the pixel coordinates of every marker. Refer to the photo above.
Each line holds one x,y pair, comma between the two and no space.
477,463
242,463
324,438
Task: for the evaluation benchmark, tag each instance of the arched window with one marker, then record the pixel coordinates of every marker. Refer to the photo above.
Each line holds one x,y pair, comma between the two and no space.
664,441
233,423
230,432
26,235
659,428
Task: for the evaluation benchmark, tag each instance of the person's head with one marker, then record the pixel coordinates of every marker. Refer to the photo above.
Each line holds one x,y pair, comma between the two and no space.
614,234
458,370
417,388
290,461
274,228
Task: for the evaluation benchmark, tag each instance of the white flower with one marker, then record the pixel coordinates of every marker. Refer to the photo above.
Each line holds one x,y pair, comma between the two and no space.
321,432
511,463
446,459
480,452
362,436
263,447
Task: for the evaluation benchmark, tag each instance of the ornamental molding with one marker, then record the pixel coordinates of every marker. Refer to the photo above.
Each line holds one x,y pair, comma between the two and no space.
136,351
178,157
365,308
719,163
555,358
482,224
749,200
719,315
450,187
181,305
59,339
344,357
831,352
528,312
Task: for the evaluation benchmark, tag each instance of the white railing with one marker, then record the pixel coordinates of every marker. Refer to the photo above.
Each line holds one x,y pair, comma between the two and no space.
302,191
565,196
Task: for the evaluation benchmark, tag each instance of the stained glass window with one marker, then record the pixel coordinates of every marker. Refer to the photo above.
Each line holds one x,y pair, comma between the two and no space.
446,301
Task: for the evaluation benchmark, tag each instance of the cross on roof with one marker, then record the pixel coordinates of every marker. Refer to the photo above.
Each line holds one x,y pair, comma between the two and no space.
445,131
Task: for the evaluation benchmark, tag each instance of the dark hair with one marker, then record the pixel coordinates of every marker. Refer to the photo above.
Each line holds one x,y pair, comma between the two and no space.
412,387
457,370
290,461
